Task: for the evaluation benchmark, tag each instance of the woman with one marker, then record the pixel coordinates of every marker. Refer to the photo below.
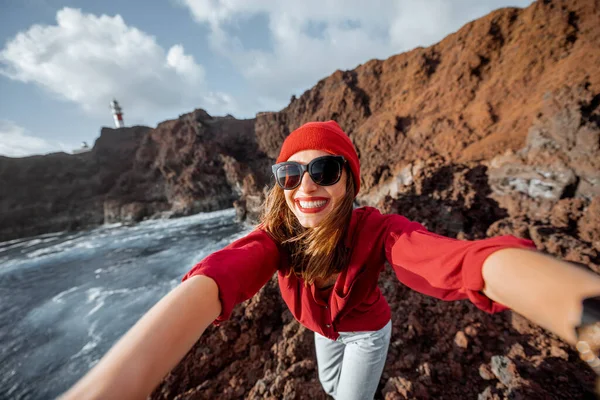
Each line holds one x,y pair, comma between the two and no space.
328,258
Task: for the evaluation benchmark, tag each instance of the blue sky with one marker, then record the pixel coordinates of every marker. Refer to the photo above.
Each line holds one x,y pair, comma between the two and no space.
61,62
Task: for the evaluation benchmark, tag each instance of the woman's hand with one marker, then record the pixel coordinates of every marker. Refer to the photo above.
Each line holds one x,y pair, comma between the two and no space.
156,343
547,291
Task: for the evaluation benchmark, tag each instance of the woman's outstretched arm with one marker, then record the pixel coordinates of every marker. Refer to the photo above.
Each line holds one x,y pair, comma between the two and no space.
156,343
543,289
493,273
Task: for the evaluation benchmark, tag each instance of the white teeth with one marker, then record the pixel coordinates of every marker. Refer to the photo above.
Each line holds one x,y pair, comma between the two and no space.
312,204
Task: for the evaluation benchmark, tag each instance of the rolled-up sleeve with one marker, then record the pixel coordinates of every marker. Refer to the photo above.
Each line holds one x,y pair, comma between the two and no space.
240,269
442,267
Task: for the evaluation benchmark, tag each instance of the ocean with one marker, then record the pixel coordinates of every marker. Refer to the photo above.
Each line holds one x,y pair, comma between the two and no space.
66,298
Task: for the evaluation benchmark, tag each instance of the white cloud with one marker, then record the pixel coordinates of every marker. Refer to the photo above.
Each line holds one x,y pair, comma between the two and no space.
15,141
90,59
184,65
349,32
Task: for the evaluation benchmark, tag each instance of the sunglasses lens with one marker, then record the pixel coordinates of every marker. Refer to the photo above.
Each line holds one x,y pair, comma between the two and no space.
326,171
288,176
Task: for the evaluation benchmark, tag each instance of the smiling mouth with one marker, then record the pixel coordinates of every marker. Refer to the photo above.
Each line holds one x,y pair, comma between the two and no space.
312,206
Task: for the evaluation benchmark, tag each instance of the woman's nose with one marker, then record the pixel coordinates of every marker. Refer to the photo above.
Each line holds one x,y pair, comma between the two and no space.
307,184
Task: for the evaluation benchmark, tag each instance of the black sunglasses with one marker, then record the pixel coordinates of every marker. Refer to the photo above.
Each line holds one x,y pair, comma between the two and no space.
324,171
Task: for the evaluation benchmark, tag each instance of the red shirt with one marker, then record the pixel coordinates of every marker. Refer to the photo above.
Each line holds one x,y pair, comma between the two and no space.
445,268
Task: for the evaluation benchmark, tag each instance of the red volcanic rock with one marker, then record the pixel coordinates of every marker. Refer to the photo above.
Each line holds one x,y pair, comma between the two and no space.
470,97
551,187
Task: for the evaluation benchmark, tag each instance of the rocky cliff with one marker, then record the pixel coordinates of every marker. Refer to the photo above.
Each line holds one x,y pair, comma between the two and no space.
62,191
496,129
191,164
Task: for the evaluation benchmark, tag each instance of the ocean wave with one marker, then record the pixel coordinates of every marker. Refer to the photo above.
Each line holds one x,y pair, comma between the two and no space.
26,239
57,248
189,220
98,295
58,297
96,339
218,245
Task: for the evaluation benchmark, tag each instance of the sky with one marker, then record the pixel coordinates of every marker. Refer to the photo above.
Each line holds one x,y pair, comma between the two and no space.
63,61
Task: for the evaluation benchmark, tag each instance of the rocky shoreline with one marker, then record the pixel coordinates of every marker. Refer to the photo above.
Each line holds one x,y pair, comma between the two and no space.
494,130
60,191
196,163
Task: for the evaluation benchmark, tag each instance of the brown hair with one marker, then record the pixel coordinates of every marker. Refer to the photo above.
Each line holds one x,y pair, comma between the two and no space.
315,252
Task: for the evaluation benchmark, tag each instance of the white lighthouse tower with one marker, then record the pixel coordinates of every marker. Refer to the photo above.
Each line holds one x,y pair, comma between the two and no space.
117,113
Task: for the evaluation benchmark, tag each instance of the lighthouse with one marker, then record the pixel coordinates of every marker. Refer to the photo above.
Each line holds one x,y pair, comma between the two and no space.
117,113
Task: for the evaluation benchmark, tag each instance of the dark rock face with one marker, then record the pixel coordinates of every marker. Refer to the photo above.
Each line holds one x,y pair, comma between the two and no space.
196,163
62,191
493,130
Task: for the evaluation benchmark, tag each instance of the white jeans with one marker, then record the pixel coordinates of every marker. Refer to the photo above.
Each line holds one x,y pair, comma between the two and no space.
351,366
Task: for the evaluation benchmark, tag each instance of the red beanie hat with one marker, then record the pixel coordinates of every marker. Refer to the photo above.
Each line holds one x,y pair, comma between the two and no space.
326,136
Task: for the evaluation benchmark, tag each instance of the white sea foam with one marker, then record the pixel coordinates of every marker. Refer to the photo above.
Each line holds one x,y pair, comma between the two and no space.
92,344
15,244
173,283
57,248
51,234
113,225
99,296
191,220
208,249
98,306
58,297
9,242
88,244
33,243
12,389
92,294
45,235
